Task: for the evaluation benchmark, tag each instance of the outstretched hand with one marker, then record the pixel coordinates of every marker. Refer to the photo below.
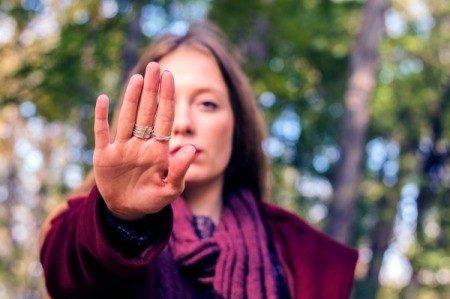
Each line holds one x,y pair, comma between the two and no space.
134,176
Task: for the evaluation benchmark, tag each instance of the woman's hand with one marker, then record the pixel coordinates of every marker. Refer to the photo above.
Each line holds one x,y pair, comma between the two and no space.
134,176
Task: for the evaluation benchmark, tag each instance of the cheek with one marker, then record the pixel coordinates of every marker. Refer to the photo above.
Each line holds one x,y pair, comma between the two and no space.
221,139
226,131
223,133
227,144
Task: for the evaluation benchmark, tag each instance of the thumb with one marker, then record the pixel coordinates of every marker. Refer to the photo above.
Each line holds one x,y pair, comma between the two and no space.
179,165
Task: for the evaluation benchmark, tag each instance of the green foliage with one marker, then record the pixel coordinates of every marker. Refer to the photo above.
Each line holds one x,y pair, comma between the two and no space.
84,62
298,51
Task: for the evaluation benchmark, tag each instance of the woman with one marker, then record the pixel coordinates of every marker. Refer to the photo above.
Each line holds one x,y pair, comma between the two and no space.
176,210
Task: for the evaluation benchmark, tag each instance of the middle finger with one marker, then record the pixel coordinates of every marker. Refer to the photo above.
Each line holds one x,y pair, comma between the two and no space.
149,97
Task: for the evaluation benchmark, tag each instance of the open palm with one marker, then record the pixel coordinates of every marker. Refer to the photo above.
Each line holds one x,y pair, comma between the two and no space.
134,175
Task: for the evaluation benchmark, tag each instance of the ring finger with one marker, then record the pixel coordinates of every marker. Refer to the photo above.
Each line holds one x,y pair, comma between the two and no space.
166,108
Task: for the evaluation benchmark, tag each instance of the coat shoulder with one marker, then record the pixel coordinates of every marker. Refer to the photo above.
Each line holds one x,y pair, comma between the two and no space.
321,268
291,227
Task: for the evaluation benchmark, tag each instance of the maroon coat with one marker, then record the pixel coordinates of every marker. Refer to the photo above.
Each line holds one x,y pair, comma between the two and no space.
79,263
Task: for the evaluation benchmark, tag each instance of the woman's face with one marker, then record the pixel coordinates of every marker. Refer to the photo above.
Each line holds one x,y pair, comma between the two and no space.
203,113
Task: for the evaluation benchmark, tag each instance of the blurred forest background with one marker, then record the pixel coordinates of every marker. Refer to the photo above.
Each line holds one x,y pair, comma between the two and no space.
356,95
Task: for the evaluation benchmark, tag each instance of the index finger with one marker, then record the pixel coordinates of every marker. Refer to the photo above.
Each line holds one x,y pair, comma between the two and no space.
127,115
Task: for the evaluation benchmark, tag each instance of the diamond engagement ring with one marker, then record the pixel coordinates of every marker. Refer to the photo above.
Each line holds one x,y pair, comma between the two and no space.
161,137
142,132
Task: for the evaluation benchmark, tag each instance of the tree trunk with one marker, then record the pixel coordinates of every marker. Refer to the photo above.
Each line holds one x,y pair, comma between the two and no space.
412,290
360,87
129,58
381,238
133,34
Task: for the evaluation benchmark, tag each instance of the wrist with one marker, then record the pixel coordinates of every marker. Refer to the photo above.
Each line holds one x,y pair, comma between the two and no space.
130,217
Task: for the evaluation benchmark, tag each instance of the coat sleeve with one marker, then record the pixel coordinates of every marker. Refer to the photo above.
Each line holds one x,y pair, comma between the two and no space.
79,262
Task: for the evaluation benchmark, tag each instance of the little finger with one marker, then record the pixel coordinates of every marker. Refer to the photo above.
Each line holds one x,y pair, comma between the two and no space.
101,127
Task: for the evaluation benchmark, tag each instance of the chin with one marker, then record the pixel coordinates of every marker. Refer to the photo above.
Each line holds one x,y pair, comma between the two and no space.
193,185
194,178
196,174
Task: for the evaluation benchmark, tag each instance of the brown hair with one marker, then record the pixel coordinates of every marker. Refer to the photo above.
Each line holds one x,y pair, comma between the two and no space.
248,166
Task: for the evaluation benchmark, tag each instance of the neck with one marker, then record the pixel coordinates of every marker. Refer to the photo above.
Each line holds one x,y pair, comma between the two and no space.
205,199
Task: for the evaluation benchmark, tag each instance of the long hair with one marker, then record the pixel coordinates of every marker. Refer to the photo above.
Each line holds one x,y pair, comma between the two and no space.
248,166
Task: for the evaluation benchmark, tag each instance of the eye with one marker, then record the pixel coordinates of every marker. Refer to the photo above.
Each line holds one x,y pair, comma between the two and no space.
208,105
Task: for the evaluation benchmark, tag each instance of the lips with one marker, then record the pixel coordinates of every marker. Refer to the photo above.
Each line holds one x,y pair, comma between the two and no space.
175,150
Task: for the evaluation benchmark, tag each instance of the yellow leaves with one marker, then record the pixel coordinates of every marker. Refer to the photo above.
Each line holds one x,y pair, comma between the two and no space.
413,43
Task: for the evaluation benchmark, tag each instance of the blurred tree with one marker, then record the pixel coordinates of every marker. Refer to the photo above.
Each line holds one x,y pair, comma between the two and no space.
360,88
302,40
57,56
411,105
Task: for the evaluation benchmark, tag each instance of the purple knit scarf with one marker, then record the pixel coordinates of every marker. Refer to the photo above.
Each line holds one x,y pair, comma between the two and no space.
235,260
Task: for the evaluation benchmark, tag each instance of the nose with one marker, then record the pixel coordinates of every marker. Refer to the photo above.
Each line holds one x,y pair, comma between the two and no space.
182,124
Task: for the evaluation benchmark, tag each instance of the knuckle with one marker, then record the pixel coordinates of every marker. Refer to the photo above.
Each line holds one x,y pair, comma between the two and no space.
151,89
171,193
101,131
176,189
147,111
165,118
132,99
